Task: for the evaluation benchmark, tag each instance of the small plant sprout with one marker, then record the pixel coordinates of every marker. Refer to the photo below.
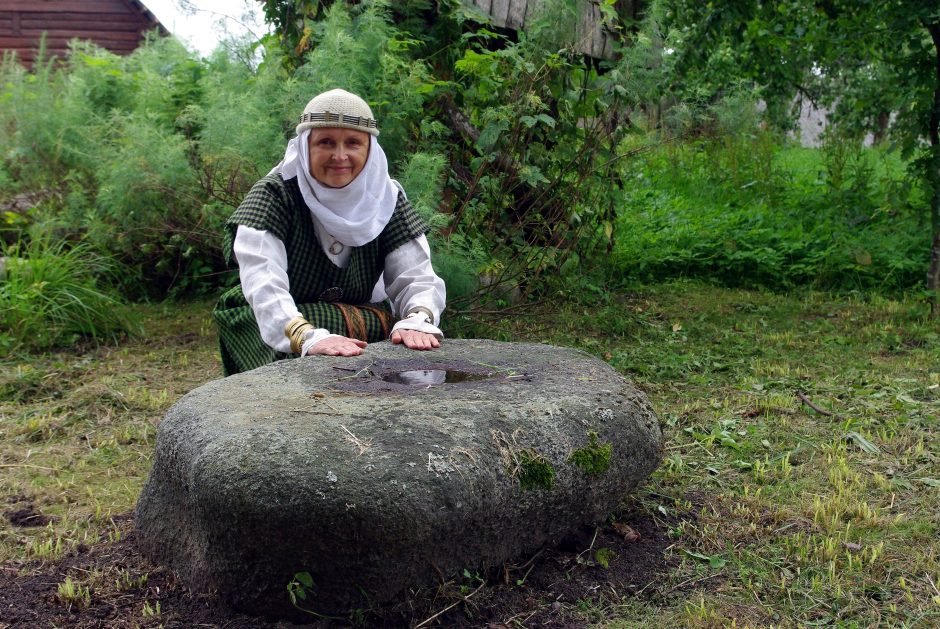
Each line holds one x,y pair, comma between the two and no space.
301,588
126,582
50,548
298,587
149,610
71,593
474,578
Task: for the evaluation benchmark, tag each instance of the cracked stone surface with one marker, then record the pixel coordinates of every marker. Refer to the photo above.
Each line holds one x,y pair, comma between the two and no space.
335,467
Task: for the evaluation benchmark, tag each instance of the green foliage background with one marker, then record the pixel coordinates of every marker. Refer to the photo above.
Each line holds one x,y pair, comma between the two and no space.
746,212
541,170
876,65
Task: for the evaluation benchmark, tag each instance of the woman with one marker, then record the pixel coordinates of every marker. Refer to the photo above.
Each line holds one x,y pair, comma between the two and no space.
313,241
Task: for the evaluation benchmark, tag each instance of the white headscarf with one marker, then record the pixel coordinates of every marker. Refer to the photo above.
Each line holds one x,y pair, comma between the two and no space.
354,214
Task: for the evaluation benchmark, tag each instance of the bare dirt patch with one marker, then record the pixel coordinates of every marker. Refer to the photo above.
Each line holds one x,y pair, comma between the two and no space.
27,516
543,590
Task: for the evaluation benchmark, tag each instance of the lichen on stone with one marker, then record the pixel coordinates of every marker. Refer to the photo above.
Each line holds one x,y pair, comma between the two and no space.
535,472
594,458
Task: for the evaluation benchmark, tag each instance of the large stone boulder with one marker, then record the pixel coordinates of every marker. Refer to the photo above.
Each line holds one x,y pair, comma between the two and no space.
389,470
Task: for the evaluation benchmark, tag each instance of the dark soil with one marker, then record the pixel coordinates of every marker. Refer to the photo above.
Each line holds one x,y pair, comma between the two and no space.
548,589
27,516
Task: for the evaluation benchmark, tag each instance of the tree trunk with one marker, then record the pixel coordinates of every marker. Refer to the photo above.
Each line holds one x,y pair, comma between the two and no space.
881,132
933,180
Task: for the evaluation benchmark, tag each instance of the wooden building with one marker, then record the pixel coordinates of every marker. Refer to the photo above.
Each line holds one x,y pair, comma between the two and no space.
118,25
591,36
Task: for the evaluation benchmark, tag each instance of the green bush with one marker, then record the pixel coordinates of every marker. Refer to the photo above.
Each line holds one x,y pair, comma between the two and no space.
98,138
53,294
788,222
147,208
536,171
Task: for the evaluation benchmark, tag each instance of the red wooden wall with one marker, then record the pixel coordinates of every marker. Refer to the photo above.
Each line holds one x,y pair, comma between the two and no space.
117,25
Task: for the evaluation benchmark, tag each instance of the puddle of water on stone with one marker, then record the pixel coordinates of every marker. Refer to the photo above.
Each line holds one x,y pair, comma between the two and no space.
432,376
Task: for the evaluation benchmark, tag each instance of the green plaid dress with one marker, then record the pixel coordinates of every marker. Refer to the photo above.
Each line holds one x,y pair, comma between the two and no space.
317,285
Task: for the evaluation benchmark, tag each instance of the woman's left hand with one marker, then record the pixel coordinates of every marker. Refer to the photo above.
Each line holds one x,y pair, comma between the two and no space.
415,340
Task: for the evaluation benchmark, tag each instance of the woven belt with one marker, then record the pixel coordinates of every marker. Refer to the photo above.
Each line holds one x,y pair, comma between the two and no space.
356,323
385,319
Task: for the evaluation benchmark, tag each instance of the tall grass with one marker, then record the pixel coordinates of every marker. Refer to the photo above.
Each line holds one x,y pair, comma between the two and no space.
753,211
53,294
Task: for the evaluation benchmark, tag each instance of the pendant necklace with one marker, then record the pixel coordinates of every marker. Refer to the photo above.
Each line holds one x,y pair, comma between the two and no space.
337,247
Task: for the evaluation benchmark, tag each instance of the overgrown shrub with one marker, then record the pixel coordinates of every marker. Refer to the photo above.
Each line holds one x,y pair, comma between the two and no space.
53,294
537,175
798,226
97,137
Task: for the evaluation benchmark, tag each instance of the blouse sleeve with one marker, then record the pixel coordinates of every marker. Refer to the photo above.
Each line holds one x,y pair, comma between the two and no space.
262,269
410,283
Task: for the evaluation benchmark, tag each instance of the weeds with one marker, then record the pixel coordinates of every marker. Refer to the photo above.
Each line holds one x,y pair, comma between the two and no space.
150,611
127,582
72,593
48,549
301,591
54,294
843,218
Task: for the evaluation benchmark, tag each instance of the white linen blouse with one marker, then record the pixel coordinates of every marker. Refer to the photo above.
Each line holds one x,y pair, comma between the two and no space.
408,281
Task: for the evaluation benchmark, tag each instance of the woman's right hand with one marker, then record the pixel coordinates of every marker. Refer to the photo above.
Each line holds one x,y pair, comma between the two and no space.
337,346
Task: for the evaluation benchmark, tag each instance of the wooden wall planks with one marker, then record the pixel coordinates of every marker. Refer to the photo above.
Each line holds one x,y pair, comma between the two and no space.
118,25
592,38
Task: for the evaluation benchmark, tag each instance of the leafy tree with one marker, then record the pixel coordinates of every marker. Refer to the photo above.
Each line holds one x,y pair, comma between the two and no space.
295,21
865,59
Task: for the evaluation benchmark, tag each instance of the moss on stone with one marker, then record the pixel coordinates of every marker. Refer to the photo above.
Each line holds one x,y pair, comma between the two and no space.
594,458
535,472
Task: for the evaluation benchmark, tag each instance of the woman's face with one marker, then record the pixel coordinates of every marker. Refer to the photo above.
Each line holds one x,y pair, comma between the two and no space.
337,155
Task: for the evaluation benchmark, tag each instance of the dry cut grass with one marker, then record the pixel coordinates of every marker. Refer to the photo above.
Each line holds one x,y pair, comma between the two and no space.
801,481
77,429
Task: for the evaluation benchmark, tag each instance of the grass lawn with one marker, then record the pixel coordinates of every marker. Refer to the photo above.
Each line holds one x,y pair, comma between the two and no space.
800,484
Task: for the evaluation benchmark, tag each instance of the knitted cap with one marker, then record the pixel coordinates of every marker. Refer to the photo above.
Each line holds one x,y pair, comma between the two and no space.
338,108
